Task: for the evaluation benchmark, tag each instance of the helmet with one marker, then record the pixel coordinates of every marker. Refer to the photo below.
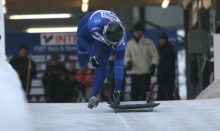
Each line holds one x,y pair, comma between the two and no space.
113,34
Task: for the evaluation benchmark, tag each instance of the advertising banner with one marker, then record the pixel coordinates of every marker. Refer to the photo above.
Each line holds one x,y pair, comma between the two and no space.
43,45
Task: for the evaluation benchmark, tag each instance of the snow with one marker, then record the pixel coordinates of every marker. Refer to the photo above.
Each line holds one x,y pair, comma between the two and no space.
212,91
14,114
186,115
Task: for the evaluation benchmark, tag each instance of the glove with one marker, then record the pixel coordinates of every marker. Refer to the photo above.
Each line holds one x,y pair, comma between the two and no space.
94,60
152,69
129,65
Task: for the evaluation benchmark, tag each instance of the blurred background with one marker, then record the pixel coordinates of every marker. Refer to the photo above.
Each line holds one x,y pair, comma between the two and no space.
46,28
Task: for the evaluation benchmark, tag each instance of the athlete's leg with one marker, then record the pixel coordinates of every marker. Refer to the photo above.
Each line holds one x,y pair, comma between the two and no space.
104,52
82,55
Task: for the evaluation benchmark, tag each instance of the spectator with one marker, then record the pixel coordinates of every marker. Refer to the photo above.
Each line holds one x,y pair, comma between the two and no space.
166,69
72,68
85,75
54,68
141,58
61,88
20,64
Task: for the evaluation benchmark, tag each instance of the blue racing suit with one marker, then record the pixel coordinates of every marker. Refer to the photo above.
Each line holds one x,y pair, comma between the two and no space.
91,42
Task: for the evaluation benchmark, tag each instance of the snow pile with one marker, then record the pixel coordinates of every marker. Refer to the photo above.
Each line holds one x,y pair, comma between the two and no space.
212,91
14,114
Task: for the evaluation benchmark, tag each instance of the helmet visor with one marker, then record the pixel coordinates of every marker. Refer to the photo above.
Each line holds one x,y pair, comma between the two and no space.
114,38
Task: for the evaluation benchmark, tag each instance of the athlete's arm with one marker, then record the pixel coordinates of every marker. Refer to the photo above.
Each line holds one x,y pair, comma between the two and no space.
85,39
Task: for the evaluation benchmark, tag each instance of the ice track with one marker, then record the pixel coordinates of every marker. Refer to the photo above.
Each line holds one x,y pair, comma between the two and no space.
191,115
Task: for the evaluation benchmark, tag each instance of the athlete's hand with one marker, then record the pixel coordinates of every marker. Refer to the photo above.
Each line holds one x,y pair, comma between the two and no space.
94,60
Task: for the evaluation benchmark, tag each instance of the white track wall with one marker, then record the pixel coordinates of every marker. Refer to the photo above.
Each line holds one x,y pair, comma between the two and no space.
217,56
2,32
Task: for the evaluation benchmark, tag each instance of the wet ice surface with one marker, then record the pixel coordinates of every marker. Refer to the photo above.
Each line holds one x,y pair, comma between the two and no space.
193,115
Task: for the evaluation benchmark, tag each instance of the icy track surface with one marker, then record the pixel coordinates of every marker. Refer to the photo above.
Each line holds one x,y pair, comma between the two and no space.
191,115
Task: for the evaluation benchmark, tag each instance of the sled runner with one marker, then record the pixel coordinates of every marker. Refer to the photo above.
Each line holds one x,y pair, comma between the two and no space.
149,104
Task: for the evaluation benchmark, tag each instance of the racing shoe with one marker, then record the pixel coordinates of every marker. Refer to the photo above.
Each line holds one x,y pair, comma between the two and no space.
116,97
93,102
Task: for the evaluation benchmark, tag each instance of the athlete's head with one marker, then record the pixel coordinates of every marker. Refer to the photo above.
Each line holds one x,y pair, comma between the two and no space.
113,34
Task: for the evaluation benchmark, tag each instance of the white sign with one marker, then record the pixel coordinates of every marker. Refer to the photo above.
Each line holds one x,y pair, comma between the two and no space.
58,39
36,83
72,57
2,32
40,74
41,66
38,58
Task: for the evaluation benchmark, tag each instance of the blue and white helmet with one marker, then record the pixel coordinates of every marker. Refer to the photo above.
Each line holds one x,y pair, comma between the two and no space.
113,34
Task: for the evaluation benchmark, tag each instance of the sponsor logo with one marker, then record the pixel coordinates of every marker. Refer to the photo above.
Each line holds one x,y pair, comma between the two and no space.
97,20
109,16
98,37
47,38
96,28
40,74
83,52
41,66
39,58
36,91
58,39
72,58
